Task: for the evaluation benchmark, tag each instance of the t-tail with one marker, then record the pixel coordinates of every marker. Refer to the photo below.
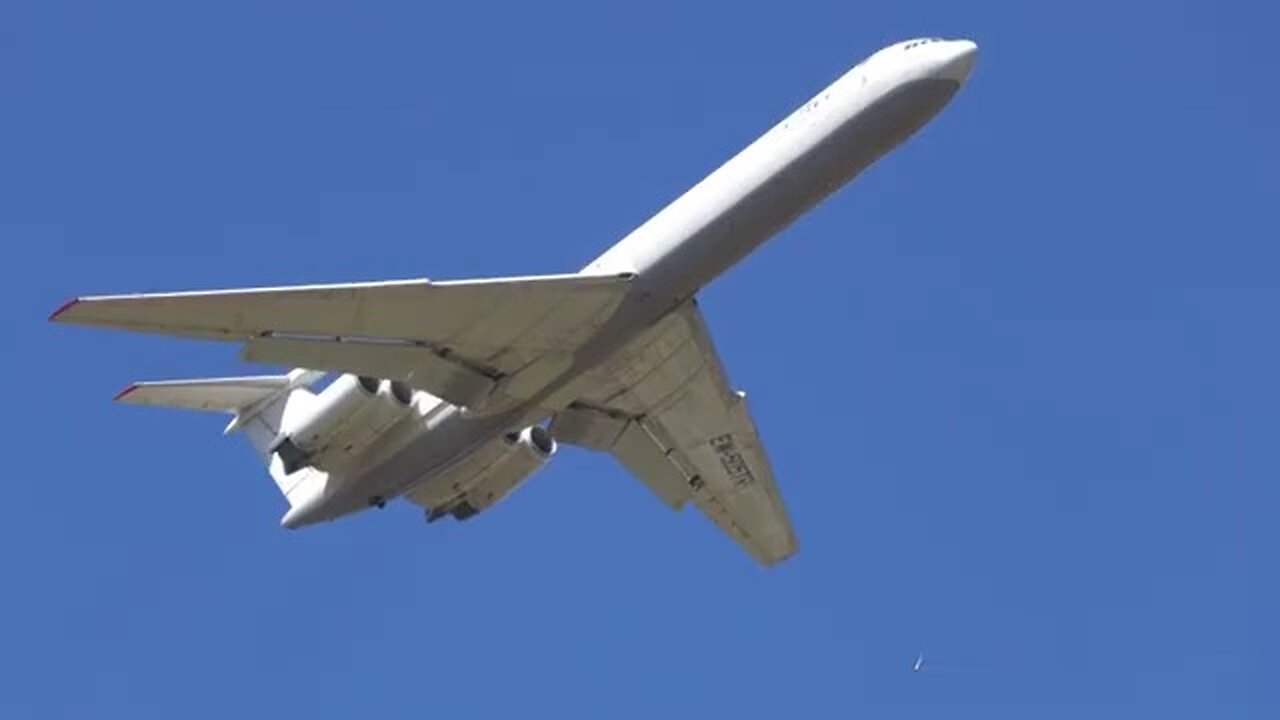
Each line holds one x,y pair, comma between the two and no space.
301,436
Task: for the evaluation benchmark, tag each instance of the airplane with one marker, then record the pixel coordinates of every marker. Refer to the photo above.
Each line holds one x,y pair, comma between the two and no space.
451,394
919,663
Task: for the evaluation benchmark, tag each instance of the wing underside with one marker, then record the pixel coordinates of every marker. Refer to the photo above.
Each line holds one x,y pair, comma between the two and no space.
664,409
465,341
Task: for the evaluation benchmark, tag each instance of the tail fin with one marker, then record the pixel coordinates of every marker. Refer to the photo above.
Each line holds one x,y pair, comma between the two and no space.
259,404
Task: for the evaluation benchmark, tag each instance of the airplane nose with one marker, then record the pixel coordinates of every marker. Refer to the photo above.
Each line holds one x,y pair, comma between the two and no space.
960,63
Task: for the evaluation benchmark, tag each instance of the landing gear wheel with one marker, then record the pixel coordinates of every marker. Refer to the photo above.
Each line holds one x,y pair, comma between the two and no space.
377,501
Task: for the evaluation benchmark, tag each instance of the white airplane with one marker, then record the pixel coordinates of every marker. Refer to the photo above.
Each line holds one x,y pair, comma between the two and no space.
451,394
919,663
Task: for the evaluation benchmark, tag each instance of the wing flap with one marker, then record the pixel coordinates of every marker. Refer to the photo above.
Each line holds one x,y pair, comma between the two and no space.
633,444
414,364
640,453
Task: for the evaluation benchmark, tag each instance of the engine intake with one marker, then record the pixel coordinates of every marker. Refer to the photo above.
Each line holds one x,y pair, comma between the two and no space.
539,440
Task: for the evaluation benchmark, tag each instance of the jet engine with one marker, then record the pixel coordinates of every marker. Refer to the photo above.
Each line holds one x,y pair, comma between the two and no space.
341,421
517,457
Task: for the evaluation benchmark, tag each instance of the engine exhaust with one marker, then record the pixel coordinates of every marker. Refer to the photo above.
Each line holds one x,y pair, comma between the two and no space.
401,392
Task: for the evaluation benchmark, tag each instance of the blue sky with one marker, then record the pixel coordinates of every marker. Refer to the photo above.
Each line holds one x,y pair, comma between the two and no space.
1018,381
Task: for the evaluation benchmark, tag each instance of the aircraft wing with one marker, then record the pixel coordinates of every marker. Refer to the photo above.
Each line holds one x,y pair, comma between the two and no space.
463,341
664,409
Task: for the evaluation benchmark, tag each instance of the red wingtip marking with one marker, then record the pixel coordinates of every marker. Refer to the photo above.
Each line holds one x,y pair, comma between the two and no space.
124,392
63,308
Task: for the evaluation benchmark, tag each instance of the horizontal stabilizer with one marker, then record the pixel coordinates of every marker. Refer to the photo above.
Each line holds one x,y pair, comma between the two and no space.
214,394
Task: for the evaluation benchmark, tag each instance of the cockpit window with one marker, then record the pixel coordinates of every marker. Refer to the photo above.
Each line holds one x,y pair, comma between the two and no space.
921,41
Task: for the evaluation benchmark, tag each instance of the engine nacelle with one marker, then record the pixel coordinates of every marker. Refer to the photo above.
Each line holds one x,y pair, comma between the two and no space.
523,454
344,418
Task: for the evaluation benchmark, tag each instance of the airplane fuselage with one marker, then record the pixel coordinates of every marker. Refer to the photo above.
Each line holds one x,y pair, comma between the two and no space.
794,166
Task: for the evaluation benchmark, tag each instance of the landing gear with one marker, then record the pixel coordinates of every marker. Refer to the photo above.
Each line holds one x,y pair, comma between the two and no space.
377,501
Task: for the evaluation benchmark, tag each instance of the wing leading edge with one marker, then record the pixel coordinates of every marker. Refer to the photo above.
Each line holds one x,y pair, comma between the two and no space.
664,409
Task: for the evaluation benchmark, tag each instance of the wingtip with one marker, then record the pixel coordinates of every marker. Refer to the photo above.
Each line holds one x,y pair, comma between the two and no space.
123,393
53,317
